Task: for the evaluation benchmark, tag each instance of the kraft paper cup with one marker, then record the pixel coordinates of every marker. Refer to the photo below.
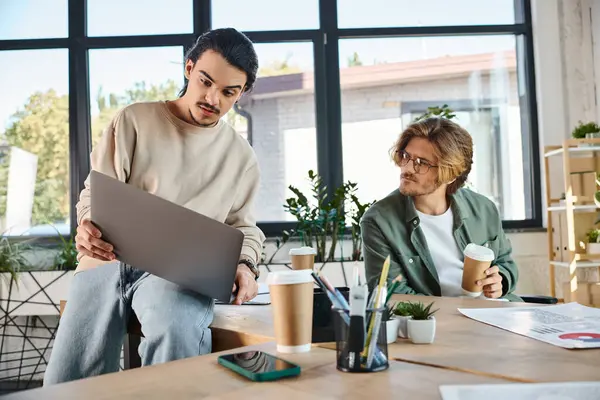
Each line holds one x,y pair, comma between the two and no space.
477,260
292,305
303,258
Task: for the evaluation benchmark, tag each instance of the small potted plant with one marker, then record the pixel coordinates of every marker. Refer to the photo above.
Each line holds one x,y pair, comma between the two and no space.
590,130
391,323
403,314
421,327
593,241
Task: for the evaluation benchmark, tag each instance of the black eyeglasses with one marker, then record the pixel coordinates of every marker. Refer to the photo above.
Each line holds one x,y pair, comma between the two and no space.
421,166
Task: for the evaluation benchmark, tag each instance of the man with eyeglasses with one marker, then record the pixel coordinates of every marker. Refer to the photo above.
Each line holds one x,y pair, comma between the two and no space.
425,225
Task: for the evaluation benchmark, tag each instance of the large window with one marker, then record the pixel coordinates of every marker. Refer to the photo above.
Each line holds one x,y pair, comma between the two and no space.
282,127
393,13
34,142
338,81
383,91
116,81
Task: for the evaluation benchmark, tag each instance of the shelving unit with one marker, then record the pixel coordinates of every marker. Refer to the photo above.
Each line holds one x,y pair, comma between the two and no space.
569,219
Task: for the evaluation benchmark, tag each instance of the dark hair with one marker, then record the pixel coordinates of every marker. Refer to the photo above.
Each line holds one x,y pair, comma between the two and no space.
234,46
452,145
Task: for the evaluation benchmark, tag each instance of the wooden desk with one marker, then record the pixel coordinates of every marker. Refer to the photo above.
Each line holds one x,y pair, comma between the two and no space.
238,326
202,377
466,345
461,344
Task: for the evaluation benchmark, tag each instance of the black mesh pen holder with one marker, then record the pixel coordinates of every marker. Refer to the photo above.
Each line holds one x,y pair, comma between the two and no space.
374,356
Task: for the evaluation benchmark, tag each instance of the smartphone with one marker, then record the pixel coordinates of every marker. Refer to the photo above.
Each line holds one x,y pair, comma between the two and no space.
259,366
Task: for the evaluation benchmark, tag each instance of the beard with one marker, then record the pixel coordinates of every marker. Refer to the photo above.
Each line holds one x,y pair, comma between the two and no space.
414,188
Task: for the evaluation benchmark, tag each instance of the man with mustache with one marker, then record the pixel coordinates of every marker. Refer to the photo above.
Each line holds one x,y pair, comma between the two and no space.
184,152
426,224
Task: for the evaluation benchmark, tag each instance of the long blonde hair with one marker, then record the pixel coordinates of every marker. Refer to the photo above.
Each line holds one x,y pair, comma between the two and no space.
452,144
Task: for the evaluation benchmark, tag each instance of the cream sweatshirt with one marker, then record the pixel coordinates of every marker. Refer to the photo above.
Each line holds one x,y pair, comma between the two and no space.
212,171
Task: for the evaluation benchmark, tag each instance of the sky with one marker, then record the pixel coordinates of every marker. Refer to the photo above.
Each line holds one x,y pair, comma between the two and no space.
24,72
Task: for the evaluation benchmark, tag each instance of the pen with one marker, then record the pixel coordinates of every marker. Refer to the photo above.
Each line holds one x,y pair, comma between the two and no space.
356,333
332,297
335,292
395,284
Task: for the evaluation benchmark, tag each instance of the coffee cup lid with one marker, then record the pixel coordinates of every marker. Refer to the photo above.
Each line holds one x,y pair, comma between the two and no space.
303,251
479,253
291,277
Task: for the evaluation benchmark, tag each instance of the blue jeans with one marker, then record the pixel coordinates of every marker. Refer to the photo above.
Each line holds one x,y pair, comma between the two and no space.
175,322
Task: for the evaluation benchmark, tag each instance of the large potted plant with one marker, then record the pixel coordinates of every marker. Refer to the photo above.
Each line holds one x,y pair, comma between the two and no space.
421,327
321,219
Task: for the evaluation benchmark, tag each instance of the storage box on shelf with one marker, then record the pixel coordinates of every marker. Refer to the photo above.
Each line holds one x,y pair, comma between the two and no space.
570,218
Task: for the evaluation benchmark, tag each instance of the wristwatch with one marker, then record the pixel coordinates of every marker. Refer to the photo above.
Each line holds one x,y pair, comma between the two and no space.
251,265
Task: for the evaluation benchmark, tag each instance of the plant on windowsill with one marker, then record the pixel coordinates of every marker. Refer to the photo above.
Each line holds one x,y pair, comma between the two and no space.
437,111
421,327
321,220
38,276
66,259
12,259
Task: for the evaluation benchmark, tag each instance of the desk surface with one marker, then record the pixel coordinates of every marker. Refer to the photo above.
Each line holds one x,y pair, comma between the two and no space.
467,345
461,344
202,377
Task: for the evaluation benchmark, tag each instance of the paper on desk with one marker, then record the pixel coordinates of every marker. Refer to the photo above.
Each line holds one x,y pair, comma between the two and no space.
570,325
523,391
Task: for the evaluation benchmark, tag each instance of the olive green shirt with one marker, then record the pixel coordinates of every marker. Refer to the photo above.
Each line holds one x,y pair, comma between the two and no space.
392,227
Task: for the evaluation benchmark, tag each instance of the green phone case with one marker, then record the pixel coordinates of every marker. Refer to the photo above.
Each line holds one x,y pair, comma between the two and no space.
262,376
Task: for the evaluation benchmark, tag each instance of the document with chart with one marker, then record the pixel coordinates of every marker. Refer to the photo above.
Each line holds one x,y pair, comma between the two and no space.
523,391
570,325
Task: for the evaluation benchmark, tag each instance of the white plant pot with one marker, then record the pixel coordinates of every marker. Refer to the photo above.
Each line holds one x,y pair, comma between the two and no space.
421,331
391,329
593,248
403,326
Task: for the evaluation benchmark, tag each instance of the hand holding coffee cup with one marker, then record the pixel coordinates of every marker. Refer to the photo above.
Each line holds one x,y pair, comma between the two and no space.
492,284
477,261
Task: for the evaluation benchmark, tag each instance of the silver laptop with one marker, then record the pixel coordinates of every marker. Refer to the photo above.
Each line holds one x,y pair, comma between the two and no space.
165,239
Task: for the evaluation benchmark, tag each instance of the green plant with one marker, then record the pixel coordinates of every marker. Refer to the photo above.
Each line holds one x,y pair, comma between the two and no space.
593,236
442,112
321,217
356,210
389,312
582,129
403,309
66,259
12,258
420,311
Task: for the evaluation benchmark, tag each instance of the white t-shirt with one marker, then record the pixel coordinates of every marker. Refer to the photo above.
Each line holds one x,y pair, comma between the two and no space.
445,253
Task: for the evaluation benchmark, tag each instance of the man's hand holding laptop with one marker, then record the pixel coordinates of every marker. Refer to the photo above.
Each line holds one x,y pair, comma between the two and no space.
89,243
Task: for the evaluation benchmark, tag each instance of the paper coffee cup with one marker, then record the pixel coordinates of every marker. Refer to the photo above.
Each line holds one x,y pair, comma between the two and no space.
303,258
292,305
477,260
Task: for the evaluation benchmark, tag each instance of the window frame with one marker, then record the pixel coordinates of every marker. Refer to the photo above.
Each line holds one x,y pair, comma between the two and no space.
328,107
